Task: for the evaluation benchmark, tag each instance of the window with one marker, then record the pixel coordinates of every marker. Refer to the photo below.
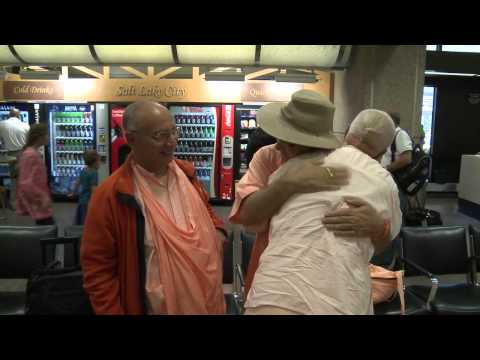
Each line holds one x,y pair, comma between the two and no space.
462,48
427,116
455,48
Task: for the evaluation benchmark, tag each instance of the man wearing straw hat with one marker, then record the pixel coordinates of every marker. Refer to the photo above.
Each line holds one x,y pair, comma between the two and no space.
307,119
305,268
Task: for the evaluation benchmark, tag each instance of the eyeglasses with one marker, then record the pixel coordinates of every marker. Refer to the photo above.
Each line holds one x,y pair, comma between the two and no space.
162,135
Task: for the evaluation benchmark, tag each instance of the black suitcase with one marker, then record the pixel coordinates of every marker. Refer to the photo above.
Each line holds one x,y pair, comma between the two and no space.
423,217
56,290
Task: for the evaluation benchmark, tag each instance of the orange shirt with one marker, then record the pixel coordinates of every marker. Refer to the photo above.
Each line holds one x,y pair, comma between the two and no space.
264,163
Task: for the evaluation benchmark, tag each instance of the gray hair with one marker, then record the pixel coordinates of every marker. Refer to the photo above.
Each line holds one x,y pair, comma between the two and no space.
374,128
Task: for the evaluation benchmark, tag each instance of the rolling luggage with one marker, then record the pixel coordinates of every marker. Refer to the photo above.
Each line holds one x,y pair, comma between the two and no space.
57,290
423,217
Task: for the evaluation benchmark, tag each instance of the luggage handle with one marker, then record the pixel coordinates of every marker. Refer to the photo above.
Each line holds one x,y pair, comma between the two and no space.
73,240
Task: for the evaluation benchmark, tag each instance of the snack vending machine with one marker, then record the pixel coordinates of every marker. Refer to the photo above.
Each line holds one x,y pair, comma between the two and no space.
246,123
72,130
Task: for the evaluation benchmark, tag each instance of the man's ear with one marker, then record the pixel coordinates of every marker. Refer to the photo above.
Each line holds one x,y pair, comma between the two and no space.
130,138
353,140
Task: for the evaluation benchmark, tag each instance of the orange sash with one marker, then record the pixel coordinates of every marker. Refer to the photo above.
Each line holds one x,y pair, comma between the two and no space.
189,279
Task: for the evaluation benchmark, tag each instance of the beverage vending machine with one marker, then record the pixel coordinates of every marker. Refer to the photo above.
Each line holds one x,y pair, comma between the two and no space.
118,143
72,130
206,139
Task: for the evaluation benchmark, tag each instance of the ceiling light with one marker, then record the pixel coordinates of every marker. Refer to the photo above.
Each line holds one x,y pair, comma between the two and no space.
40,75
216,54
134,54
296,78
55,54
317,56
6,56
225,76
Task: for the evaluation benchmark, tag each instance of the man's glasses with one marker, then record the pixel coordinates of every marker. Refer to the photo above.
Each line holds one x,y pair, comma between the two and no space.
162,135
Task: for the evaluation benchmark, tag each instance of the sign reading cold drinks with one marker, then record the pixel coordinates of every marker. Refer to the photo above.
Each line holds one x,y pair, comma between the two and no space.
33,90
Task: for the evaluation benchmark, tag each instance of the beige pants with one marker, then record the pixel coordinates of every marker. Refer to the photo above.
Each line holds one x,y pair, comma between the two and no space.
269,310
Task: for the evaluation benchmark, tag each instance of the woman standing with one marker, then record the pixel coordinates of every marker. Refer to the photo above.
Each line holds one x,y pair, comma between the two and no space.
33,194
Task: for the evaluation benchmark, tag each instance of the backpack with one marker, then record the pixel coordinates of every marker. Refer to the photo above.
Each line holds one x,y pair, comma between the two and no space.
411,178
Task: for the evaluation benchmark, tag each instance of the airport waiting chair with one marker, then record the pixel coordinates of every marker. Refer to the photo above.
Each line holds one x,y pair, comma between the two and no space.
442,250
391,259
474,232
69,251
228,266
243,243
20,256
247,239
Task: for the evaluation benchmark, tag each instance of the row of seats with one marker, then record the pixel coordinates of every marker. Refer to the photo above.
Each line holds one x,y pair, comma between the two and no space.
431,252
21,255
419,251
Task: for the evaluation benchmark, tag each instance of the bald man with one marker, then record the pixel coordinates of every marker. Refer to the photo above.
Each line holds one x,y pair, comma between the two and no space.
13,136
309,270
151,242
13,133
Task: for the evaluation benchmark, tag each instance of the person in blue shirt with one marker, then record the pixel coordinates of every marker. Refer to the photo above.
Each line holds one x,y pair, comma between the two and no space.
86,184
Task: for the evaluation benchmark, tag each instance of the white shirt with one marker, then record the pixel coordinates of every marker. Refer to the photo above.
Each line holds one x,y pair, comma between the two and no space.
403,143
306,268
13,133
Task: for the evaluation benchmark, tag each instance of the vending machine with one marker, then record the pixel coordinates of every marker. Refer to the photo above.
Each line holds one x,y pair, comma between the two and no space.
246,123
72,130
197,143
118,143
206,139
227,141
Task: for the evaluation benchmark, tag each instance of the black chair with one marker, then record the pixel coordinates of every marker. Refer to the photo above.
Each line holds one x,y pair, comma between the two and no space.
475,241
20,255
392,260
72,231
228,260
247,239
388,257
232,308
443,250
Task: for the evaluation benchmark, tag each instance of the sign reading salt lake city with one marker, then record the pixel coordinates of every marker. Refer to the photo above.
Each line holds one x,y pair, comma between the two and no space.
151,91
33,90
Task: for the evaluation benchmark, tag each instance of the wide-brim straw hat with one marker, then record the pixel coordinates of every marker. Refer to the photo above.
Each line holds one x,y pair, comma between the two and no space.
306,120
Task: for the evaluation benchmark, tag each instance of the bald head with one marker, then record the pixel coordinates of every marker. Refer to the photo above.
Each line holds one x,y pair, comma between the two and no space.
374,129
152,135
138,113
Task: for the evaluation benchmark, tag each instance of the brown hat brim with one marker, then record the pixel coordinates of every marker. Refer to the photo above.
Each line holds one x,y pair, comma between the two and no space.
271,120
